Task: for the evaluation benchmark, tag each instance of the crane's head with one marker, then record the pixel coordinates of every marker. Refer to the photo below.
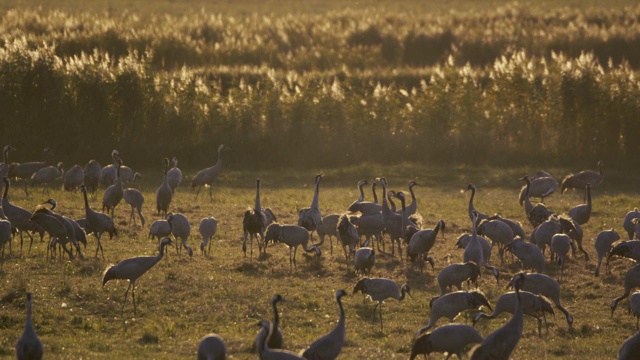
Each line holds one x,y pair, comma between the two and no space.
412,184
277,298
340,293
470,187
361,286
8,148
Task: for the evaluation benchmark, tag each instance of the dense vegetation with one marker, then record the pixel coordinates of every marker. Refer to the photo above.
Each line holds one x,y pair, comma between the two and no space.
492,86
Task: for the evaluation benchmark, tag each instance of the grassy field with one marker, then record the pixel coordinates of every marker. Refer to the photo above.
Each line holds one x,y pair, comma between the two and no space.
181,299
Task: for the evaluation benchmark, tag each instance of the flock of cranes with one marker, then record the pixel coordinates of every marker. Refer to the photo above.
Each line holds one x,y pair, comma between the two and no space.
535,294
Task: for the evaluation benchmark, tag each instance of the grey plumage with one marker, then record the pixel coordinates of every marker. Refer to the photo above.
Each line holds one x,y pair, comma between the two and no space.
97,223
581,179
630,348
530,256
29,346
180,229
480,216
541,186
275,340
18,216
421,243
348,236
498,232
364,260
92,172
462,243
26,170
452,304
212,347
292,236
131,269
369,226
412,208
329,227
628,225
328,347
310,218
501,343
360,199
207,229
545,231
380,289
456,274
631,281
4,167
515,226
114,193
5,237
255,222
108,174
544,285
367,207
474,250
532,304
626,248
392,220
73,178
174,175
209,175
274,354
560,245
603,244
450,338
582,213
54,228
634,307
164,194
69,225
46,175
160,229
135,199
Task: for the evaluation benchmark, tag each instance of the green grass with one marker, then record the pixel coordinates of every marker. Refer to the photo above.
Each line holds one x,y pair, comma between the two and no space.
182,299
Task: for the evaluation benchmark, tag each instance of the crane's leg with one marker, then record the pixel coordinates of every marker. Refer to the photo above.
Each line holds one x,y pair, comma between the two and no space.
125,299
380,316
133,294
244,244
198,192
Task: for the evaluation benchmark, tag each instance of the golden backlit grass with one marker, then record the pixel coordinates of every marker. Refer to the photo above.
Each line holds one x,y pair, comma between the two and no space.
182,299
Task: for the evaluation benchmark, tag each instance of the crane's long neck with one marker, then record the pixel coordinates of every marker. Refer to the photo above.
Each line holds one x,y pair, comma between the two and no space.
385,205
269,330
413,195
342,317
6,157
86,201
28,326
166,170
314,203
403,293
473,194
375,196
360,186
527,201
405,218
218,164
5,195
276,317
257,207
589,195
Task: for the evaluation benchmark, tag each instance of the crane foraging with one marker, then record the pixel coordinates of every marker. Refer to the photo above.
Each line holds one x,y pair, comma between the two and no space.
380,289
131,269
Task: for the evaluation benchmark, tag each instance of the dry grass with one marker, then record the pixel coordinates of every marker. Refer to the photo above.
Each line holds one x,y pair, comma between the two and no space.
182,299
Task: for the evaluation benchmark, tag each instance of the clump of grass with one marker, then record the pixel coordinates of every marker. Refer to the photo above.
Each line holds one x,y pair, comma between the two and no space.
148,338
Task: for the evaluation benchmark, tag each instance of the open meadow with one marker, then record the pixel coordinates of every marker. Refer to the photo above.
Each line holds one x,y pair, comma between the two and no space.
181,298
